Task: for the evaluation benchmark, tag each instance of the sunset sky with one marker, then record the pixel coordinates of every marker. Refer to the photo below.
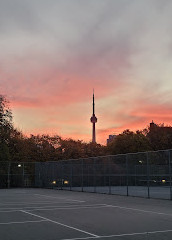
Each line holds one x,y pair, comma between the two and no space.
54,52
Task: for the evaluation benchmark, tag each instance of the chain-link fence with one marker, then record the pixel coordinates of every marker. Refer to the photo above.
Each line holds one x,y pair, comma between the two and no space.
17,174
145,174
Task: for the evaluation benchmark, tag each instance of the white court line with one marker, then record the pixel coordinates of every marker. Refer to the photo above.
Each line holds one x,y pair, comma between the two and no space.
28,207
8,223
145,191
64,208
139,210
58,197
121,235
141,191
19,192
36,207
53,208
61,224
28,203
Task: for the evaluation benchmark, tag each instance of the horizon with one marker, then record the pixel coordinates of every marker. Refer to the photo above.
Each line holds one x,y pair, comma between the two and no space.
54,53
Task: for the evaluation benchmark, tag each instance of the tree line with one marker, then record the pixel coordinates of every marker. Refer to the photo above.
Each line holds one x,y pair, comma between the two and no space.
16,147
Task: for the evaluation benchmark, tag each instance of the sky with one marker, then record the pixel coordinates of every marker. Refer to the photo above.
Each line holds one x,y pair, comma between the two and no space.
54,52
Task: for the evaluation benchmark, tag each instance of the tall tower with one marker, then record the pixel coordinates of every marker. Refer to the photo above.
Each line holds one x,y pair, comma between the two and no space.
93,120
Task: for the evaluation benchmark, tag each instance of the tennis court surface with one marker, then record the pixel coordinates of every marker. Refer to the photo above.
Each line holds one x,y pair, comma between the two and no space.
46,214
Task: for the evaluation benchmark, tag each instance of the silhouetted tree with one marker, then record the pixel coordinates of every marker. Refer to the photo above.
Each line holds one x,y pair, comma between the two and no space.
73,149
14,146
42,148
129,142
160,136
5,128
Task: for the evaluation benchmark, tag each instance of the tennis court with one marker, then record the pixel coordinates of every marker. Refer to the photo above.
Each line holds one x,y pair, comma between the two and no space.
47,214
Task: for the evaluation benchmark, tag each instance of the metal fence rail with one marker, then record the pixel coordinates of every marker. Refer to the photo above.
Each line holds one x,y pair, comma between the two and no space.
144,174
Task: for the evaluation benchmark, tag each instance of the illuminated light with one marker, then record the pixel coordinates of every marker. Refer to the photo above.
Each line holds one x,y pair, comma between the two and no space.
140,161
19,165
54,182
154,180
163,180
66,182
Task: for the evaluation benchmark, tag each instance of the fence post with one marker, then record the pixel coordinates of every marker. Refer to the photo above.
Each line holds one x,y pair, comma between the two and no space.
62,173
109,176
23,175
148,177
94,176
82,175
170,174
71,175
127,173
8,176
52,169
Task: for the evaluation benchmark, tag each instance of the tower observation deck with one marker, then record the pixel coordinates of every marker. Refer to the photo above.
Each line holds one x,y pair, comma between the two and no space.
93,120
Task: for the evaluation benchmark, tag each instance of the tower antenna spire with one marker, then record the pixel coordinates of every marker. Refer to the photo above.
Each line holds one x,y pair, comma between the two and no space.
93,103
93,120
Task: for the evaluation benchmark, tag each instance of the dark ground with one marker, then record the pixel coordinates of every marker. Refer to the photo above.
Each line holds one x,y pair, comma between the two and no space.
44,214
